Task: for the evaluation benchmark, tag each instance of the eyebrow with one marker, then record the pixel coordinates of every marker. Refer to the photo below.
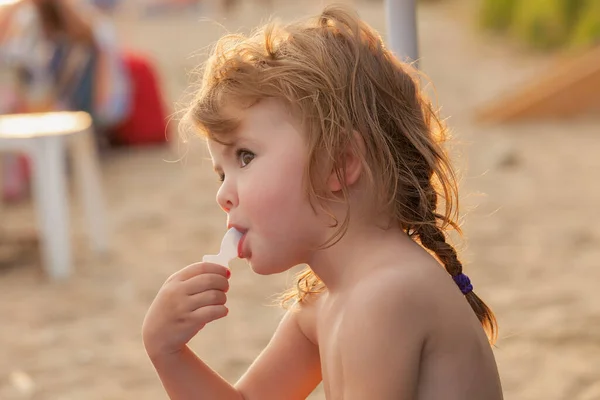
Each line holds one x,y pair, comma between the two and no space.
229,148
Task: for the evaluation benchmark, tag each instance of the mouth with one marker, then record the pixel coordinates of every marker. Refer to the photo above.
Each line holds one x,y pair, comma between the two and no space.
240,248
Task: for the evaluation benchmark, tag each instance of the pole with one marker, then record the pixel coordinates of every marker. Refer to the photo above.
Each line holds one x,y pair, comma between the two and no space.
401,18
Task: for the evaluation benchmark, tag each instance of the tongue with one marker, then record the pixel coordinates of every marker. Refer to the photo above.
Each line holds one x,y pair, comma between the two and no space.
229,248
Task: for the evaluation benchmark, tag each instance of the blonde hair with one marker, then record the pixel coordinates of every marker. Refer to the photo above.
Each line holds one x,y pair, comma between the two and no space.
336,74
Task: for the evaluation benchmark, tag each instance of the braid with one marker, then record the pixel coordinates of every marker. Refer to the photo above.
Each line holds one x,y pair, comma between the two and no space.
433,238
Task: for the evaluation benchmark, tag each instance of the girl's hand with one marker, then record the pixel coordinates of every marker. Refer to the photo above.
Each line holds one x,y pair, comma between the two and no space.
186,302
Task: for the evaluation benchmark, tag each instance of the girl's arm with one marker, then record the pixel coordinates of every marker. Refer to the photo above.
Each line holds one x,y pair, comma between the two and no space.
288,368
185,376
195,296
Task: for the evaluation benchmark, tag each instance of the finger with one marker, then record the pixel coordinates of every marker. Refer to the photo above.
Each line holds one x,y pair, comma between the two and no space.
204,282
202,268
210,313
208,298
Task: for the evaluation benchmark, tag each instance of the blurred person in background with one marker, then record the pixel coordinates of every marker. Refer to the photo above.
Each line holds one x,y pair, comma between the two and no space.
72,61
65,56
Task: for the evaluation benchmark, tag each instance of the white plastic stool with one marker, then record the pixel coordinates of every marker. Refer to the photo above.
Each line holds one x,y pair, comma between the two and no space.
46,138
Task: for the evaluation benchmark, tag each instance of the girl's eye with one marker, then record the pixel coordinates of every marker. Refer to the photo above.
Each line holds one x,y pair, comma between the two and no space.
245,157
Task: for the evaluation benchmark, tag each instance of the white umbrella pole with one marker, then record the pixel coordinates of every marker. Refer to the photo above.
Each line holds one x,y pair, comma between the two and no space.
401,18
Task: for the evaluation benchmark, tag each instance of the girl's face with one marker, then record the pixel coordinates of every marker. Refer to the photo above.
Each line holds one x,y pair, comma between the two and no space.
263,190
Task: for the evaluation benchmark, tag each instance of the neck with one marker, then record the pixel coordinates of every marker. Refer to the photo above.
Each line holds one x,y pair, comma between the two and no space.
357,253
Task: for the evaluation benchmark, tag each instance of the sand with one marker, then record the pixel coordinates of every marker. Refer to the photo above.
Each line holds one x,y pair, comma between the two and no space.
530,200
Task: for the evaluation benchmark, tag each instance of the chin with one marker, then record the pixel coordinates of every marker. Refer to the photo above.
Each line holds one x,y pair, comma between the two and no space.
268,268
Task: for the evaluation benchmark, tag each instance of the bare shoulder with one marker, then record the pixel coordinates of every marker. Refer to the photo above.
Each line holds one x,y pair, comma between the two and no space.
382,330
409,332
402,285
392,301
419,292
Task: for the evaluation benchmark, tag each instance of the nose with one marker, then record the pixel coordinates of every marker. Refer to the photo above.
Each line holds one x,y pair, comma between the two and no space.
227,195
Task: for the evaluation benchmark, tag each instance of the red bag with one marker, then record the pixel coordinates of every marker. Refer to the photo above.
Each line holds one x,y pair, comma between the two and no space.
147,120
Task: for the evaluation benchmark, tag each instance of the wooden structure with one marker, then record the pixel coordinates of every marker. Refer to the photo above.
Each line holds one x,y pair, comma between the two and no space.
571,89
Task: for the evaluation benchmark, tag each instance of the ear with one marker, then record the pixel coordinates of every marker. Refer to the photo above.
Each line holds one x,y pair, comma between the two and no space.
350,165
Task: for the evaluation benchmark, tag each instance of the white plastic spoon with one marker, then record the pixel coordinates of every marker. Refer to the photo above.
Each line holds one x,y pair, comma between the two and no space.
229,248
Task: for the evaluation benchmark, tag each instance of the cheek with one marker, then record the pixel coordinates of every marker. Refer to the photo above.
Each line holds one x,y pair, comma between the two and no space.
274,194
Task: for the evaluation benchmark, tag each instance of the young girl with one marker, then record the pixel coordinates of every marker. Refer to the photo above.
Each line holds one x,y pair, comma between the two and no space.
330,157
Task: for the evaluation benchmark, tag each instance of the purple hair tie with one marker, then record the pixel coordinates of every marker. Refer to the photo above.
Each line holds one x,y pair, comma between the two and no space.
463,282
